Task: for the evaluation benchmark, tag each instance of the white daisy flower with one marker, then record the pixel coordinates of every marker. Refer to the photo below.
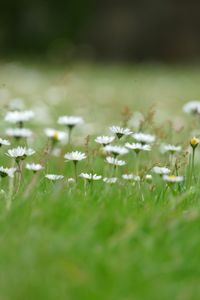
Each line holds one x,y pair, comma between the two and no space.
137,147
55,135
104,140
34,167
131,177
144,138
148,177
173,178
20,153
19,132
161,170
115,161
75,156
71,180
19,116
90,176
120,131
70,121
110,179
169,148
4,142
54,177
192,107
4,172
116,150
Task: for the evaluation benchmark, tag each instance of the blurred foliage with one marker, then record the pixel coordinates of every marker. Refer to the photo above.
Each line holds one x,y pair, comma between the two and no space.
35,25
166,30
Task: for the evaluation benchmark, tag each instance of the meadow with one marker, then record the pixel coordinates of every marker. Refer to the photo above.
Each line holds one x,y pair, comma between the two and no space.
118,222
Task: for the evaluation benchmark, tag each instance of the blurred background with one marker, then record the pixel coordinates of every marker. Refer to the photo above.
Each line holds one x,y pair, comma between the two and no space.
115,30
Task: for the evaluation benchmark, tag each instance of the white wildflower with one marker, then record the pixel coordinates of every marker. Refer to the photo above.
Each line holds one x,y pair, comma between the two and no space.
173,178
19,116
169,148
116,150
148,178
120,131
75,156
137,147
19,132
131,177
110,179
70,121
54,177
115,161
55,135
90,176
4,142
34,167
161,170
192,107
4,172
104,140
144,138
20,153
71,180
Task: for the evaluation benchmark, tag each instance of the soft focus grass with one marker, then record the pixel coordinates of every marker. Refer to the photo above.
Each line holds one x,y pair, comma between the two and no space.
107,243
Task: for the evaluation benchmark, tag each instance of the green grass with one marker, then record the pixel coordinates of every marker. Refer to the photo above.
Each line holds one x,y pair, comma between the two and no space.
105,242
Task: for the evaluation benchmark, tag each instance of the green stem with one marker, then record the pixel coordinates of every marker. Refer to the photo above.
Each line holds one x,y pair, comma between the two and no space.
75,171
69,135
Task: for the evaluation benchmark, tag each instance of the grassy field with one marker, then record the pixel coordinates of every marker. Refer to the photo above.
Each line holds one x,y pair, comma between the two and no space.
128,240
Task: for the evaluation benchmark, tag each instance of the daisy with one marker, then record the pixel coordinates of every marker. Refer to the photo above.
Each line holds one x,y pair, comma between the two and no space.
71,180
131,177
144,138
55,135
19,116
34,167
19,132
104,140
161,170
4,142
115,161
148,178
75,156
110,180
90,176
116,150
54,177
4,172
192,107
70,121
137,147
173,178
20,153
120,131
170,148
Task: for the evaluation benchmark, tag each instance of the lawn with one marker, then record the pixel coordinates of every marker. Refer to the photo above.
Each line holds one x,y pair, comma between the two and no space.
128,240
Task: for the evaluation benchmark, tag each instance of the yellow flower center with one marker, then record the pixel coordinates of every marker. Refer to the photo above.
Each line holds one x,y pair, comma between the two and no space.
194,141
172,177
56,136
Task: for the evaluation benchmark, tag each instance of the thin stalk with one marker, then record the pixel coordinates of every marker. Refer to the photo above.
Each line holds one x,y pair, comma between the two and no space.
19,176
10,189
75,171
69,135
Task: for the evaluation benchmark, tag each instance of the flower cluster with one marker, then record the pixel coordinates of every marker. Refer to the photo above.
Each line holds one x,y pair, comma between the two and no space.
147,157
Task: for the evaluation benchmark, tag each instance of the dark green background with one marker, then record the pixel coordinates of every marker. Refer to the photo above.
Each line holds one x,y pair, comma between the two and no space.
156,30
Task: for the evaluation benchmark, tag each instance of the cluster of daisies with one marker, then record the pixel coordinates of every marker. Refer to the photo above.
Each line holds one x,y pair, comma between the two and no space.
120,142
